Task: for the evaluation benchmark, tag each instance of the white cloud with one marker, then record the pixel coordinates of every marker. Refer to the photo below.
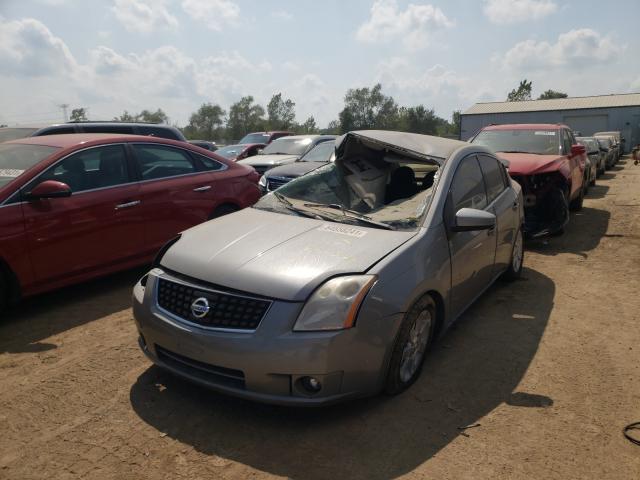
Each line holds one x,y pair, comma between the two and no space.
214,13
580,47
27,47
282,15
144,16
413,25
516,11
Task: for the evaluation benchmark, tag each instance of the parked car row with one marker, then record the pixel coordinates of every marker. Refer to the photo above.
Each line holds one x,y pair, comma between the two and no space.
356,252
554,168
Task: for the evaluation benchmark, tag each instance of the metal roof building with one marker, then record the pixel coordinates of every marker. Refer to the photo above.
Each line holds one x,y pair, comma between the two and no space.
584,114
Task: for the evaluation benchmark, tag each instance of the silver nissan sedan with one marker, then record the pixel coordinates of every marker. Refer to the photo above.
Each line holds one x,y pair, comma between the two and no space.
335,285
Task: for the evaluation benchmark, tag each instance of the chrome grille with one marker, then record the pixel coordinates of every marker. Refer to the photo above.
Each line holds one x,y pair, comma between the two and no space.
276,182
226,310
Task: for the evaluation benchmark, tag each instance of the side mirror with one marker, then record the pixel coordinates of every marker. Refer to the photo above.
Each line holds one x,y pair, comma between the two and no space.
468,219
578,150
49,189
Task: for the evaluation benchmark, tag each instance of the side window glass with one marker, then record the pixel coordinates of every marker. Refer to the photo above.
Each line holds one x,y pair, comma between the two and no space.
494,181
158,132
209,163
57,131
94,168
106,129
467,188
566,143
156,161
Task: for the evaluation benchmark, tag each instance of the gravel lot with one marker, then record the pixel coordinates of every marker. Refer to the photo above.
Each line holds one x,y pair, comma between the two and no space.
549,368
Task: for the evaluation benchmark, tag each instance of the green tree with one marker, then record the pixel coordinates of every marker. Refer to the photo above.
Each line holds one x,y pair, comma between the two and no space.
281,113
244,117
333,128
125,117
419,119
79,115
206,123
368,108
308,127
549,94
152,117
523,92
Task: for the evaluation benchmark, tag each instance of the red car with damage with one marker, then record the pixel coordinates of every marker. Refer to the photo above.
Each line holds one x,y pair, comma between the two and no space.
74,207
548,163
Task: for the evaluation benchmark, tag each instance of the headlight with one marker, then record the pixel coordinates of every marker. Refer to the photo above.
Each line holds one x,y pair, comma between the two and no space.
335,304
263,181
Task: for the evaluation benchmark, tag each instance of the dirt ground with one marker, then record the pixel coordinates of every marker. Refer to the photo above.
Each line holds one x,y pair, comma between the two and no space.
548,368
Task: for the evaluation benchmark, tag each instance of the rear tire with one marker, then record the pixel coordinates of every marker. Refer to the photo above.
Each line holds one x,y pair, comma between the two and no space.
412,343
223,210
514,271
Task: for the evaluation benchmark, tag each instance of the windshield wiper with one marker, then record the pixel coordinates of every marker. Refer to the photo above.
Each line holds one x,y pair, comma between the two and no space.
353,214
290,206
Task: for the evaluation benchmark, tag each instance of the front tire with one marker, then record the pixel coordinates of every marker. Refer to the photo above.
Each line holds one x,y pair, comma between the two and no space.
576,204
4,293
514,271
412,342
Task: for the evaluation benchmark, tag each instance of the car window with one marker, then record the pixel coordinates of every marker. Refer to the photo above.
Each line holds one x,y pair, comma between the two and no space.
106,128
16,158
55,131
493,179
467,188
208,163
90,169
156,131
320,153
566,143
158,161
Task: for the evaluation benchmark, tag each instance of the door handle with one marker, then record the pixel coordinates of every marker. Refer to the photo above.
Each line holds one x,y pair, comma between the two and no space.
127,205
202,189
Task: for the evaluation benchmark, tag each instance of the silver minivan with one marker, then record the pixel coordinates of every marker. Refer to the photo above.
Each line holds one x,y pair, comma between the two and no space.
335,285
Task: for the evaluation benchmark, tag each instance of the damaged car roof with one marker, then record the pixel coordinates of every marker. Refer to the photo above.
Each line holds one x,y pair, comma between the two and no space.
425,147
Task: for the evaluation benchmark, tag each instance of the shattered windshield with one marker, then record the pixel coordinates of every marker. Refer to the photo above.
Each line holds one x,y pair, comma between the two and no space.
373,192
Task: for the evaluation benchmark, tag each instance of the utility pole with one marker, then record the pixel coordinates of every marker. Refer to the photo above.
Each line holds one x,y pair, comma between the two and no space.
64,107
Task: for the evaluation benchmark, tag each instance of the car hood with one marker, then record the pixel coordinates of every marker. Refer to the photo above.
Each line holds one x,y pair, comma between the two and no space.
531,164
268,160
277,255
295,169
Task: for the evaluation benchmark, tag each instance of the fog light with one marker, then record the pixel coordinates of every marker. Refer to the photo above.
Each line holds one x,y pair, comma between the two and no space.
311,384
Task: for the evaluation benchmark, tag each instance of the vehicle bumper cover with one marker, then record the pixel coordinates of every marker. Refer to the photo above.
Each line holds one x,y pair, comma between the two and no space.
270,361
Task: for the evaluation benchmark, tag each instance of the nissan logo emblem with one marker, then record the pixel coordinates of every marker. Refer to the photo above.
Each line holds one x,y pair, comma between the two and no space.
200,307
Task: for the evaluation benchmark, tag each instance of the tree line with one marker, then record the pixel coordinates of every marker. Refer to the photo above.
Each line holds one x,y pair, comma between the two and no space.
364,108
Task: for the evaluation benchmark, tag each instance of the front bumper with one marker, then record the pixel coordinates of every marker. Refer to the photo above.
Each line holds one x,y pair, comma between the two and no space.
269,363
546,211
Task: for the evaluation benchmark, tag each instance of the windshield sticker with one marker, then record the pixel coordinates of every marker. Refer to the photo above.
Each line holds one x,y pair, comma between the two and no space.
10,172
545,132
343,230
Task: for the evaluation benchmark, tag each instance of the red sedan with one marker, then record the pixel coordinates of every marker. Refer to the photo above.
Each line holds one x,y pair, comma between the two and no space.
74,207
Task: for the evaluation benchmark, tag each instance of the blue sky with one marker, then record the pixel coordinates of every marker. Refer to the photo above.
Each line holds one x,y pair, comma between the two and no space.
116,55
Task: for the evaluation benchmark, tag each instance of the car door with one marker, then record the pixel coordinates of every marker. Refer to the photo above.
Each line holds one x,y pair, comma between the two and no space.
177,189
472,252
97,227
577,163
503,203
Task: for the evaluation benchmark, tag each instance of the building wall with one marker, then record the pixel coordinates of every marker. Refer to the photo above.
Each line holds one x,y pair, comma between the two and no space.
587,121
